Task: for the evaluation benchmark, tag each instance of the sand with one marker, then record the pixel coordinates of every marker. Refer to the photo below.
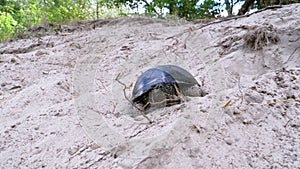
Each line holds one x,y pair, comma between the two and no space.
61,107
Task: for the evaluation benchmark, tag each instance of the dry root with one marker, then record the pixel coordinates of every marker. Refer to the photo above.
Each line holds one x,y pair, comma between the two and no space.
260,37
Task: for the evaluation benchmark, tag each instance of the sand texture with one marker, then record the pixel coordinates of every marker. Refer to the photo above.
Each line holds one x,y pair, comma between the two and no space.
61,107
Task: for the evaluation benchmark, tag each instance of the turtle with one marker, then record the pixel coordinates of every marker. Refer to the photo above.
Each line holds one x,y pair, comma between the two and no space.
164,85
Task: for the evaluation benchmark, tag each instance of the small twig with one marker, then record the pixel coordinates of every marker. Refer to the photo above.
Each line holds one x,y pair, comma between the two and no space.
286,100
287,123
292,54
142,111
137,133
80,151
101,158
230,102
188,36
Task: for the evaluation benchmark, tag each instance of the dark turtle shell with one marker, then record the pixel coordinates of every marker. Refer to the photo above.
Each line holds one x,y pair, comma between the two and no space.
183,78
164,78
149,80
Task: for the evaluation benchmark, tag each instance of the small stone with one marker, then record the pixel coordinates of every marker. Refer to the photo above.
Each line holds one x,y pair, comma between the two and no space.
247,121
95,146
236,112
73,150
283,113
228,141
4,84
39,53
13,60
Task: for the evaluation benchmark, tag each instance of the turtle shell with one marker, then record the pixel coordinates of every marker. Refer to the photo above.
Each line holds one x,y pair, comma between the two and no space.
164,77
183,78
149,80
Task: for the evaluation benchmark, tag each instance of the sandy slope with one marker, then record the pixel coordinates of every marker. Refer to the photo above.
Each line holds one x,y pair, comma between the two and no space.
60,106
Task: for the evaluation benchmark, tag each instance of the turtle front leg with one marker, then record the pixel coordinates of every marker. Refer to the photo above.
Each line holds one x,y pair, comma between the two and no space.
179,94
163,103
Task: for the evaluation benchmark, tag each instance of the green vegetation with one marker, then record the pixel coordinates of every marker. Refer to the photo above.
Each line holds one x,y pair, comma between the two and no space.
188,9
17,15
